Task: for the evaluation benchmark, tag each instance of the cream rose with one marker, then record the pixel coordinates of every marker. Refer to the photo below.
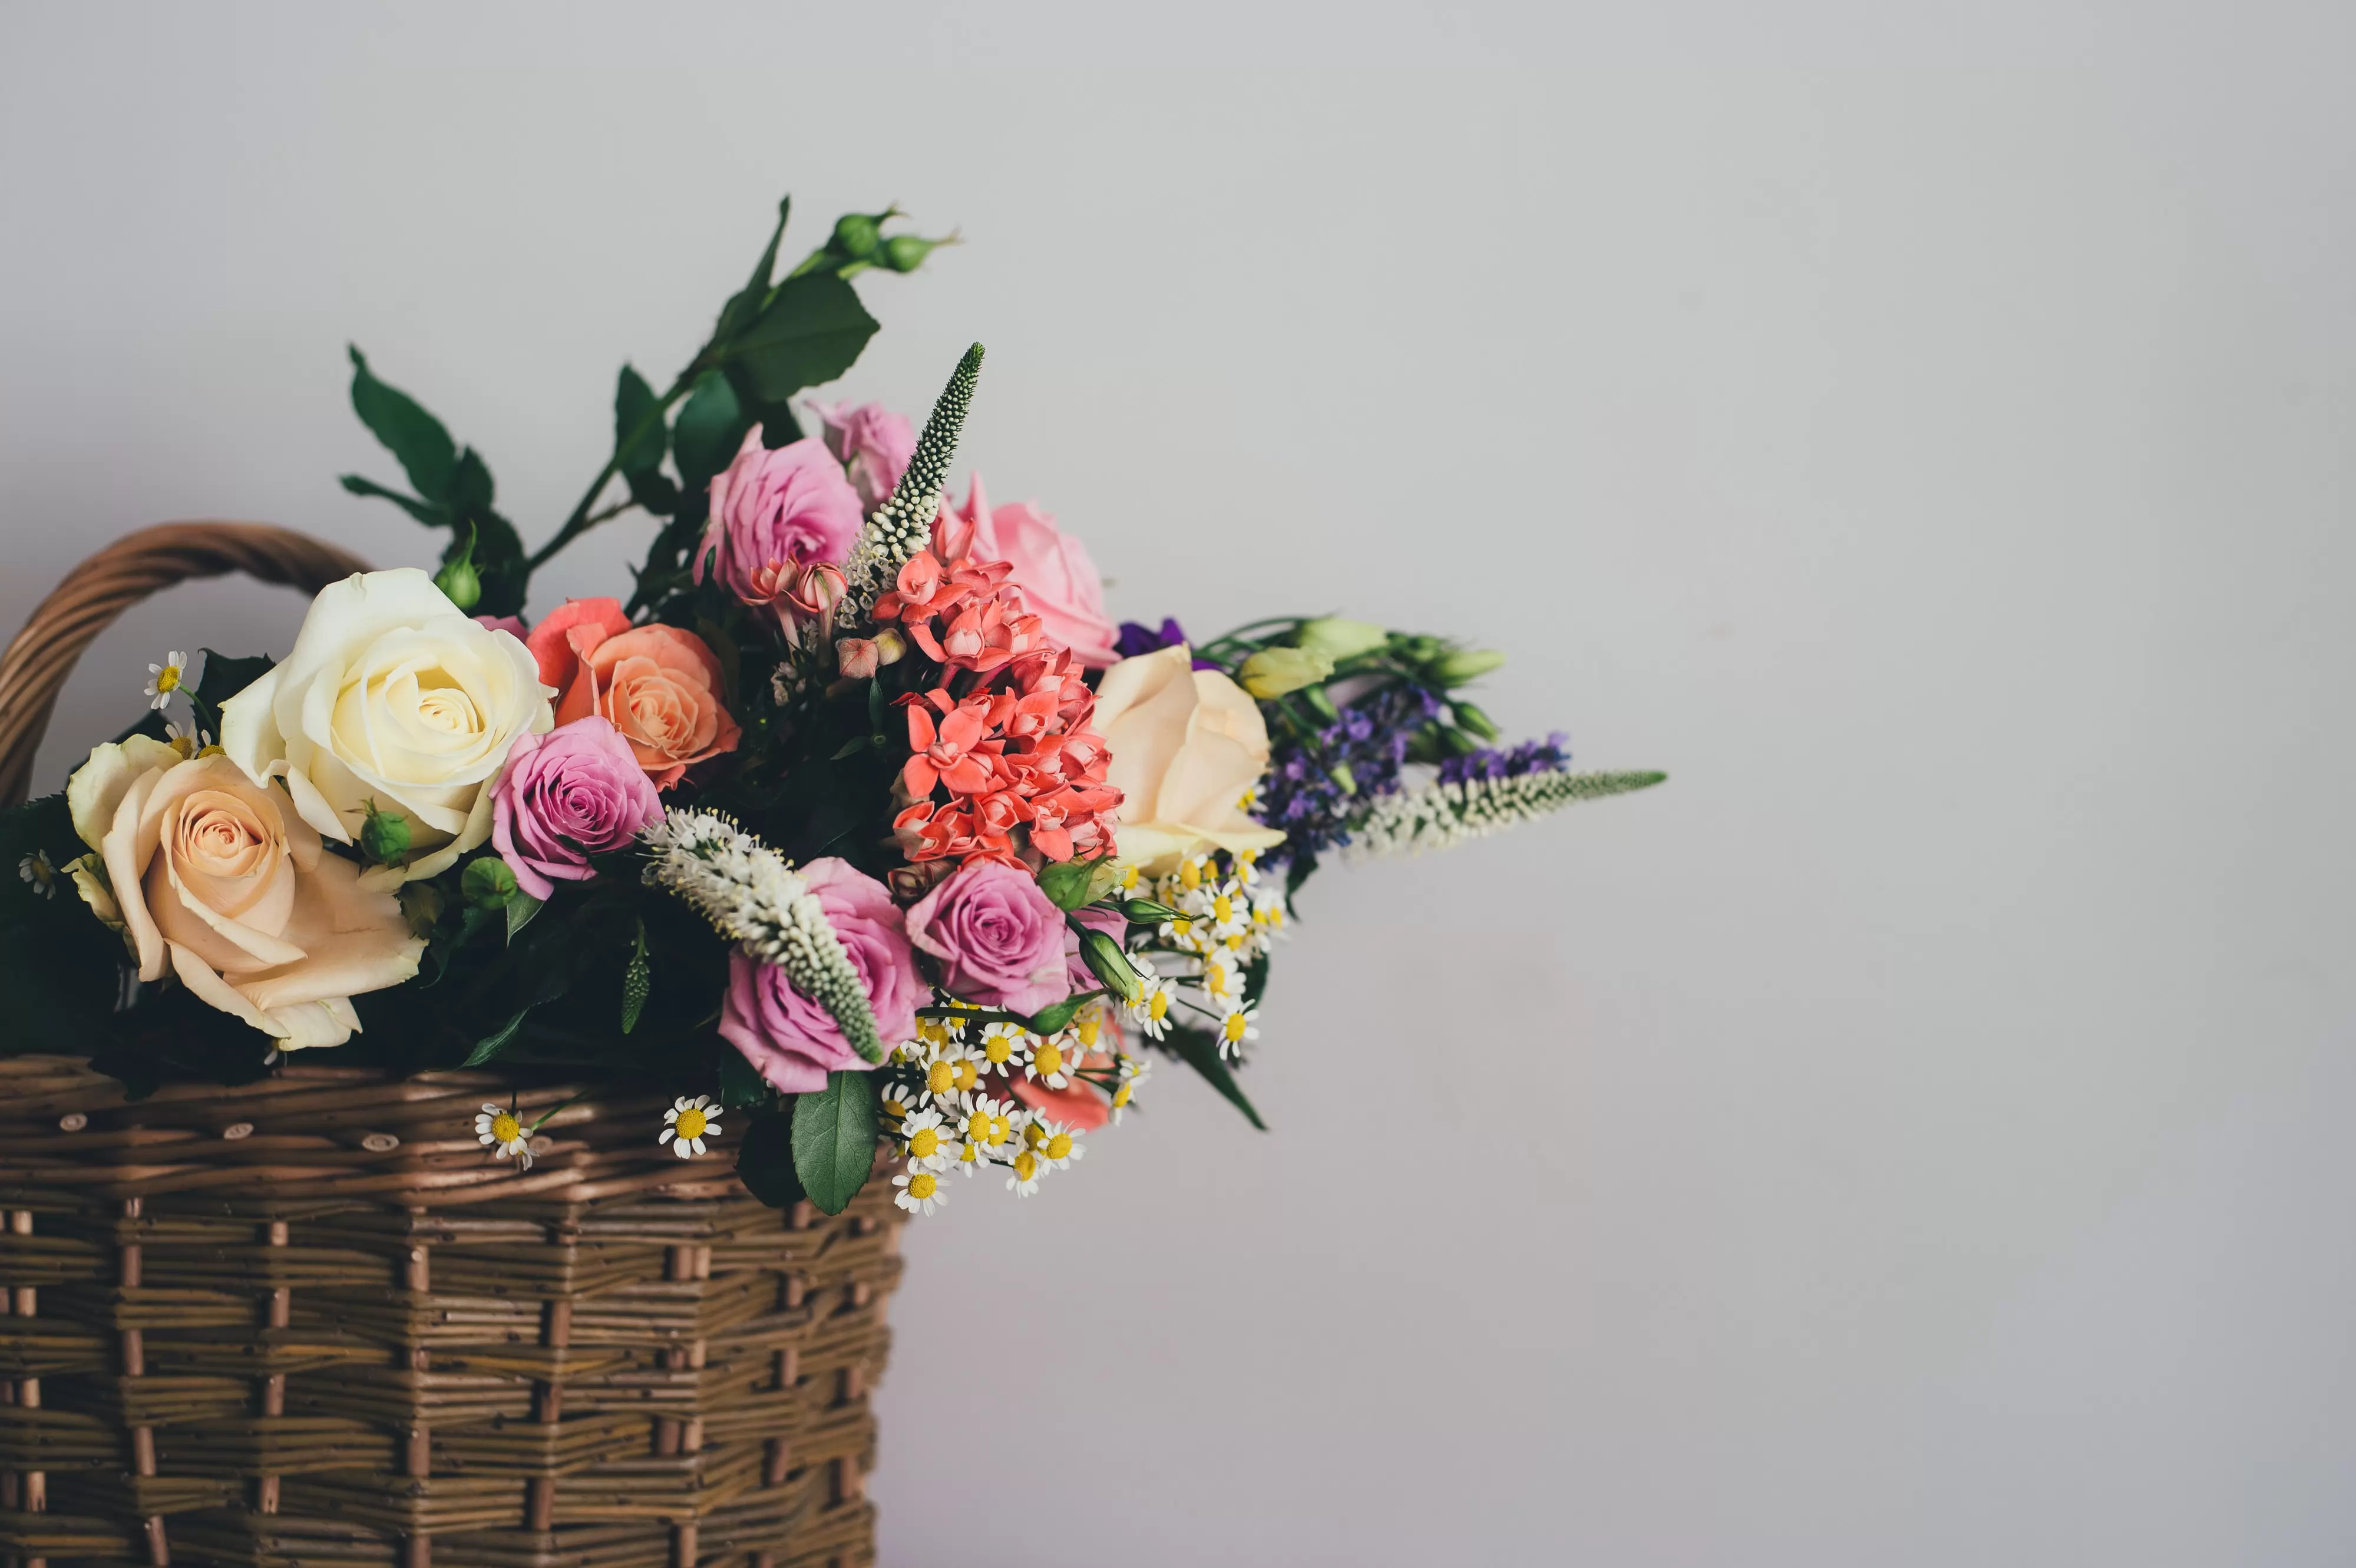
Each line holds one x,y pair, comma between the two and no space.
391,696
209,875
1186,745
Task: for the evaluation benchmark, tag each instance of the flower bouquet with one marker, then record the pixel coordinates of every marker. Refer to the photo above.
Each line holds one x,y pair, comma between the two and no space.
852,823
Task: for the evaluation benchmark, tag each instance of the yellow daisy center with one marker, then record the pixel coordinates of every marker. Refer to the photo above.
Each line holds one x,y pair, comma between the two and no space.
922,1185
506,1129
1121,1097
1223,909
1035,1134
1158,1006
1048,1059
1214,980
1190,875
1234,1027
966,1075
1027,1165
940,1076
1059,1146
924,1143
692,1124
998,1048
168,680
1088,1027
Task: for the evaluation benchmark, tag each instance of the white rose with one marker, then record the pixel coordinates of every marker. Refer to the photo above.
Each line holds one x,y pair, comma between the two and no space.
393,697
208,877
1186,745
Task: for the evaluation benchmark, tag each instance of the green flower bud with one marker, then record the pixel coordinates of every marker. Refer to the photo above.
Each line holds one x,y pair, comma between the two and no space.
488,882
856,235
906,253
1339,639
1321,702
457,580
1415,648
384,835
1472,719
1065,883
1149,911
1272,672
1344,779
1108,963
1461,665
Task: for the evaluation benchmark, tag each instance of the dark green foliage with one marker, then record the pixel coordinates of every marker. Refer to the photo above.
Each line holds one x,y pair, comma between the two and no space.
452,488
1200,1051
764,1159
834,1139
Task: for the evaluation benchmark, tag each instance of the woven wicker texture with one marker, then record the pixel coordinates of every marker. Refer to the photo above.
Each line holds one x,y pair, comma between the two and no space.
33,669
306,1321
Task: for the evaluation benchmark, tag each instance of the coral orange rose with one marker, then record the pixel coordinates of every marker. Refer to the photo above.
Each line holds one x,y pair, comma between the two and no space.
659,685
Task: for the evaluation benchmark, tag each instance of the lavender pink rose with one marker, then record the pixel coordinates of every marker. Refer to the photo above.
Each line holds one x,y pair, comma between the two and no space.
792,1042
873,443
774,513
1000,940
565,796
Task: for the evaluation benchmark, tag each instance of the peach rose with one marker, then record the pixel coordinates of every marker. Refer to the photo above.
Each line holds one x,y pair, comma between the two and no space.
1186,745
214,877
659,685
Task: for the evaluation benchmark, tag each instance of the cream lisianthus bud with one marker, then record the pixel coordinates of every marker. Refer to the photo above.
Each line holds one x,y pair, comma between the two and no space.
1339,639
1272,672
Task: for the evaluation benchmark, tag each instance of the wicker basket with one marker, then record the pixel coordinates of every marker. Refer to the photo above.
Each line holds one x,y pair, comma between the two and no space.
302,1321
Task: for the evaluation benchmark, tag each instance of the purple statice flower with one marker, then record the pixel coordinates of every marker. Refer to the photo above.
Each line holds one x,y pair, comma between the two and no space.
1548,756
1138,638
1304,792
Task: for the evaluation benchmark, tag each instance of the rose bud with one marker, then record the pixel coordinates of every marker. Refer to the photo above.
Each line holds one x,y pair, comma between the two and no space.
1272,672
891,648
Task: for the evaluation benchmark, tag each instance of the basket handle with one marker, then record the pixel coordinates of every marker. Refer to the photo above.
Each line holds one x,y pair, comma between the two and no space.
33,669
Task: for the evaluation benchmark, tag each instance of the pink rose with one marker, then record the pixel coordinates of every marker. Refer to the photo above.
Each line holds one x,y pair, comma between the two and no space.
1000,940
1060,583
564,796
513,626
871,441
774,513
792,1042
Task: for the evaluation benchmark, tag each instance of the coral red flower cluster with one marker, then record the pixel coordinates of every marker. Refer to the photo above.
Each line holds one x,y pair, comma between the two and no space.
1013,755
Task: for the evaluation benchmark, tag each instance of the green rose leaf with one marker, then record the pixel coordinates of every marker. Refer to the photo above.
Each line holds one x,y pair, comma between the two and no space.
764,1159
415,437
1198,1051
834,1139
711,426
491,1045
811,332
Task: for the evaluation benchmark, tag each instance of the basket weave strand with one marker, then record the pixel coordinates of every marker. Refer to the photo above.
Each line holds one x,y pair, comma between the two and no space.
305,1321
33,669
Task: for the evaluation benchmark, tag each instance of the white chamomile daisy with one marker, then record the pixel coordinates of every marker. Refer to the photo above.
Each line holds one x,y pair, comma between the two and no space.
920,1192
1268,913
987,1126
1050,1061
689,1123
1024,1172
186,738
34,868
1192,870
1246,866
1230,911
1057,1145
1133,1075
1237,1028
1004,1046
951,1069
1150,1012
498,1129
1222,980
927,1141
162,679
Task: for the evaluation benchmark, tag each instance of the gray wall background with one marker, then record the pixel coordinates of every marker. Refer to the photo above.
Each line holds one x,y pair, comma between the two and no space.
1916,1135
